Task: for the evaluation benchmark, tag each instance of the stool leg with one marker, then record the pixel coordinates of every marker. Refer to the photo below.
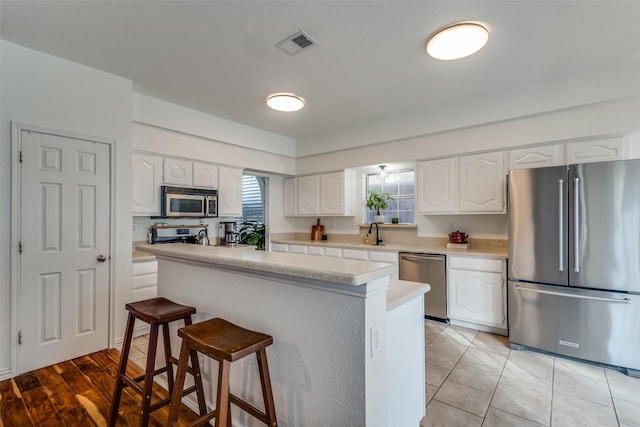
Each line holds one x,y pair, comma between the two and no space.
176,397
197,375
222,400
267,393
167,356
148,375
122,368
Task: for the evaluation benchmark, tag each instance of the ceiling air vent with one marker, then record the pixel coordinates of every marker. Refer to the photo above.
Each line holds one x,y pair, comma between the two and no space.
296,43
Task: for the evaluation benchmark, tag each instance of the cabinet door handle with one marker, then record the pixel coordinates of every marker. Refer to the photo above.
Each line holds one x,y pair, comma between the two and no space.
560,225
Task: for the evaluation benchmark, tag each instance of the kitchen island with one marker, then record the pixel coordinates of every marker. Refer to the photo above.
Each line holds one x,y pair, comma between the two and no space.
332,362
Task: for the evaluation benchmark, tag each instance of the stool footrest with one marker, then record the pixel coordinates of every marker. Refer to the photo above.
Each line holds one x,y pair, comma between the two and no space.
247,407
156,372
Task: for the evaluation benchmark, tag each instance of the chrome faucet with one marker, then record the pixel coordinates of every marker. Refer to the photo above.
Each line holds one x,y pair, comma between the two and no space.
378,240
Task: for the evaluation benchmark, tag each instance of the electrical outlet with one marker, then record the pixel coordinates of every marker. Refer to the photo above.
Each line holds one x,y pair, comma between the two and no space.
376,340
135,228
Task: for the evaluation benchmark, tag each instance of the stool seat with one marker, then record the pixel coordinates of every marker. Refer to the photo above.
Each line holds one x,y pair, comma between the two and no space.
158,313
225,342
159,310
220,339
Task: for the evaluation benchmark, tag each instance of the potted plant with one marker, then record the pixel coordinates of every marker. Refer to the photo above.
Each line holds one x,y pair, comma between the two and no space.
252,233
377,200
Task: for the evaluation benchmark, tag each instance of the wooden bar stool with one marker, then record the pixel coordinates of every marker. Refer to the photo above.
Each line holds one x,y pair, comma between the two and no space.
226,343
156,312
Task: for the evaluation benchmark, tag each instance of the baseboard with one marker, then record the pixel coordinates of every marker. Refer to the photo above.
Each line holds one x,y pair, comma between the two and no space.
5,374
477,327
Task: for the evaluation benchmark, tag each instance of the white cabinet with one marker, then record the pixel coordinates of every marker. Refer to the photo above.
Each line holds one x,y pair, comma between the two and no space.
190,174
316,250
436,185
333,252
355,254
279,247
178,172
290,196
381,256
147,178
482,183
205,175
595,150
476,291
466,184
336,193
536,157
308,195
298,249
230,191
326,194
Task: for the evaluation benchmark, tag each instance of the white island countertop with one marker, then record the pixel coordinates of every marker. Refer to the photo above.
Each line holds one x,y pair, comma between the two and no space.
324,269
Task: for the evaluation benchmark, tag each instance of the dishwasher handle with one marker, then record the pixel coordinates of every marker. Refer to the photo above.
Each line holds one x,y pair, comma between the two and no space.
422,256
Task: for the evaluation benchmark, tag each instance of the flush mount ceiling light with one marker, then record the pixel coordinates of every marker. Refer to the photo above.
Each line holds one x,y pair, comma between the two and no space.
382,172
287,102
457,41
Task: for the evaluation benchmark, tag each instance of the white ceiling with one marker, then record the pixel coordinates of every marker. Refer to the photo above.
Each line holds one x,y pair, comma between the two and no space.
369,65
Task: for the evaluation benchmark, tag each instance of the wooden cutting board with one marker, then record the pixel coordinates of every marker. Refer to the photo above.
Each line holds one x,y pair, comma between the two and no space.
317,231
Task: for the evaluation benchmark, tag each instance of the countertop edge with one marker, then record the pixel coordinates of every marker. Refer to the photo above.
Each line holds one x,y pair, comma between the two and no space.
274,263
403,291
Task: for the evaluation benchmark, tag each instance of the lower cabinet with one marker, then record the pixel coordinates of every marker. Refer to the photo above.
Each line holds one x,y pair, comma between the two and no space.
477,293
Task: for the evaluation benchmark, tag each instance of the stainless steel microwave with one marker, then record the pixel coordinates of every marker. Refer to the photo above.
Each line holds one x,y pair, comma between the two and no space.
188,202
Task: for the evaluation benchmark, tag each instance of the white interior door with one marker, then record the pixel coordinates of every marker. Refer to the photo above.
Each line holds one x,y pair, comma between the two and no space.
64,263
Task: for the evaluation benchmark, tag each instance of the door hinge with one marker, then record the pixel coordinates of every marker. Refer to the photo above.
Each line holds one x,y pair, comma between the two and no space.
19,337
21,156
20,246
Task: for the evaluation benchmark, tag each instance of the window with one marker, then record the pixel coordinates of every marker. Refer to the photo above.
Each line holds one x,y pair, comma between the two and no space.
400,185
252,198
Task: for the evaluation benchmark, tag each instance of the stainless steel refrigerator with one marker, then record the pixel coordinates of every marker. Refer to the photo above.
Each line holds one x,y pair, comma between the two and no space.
574,261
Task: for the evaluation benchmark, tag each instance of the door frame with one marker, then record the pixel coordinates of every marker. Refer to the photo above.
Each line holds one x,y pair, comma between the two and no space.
16,223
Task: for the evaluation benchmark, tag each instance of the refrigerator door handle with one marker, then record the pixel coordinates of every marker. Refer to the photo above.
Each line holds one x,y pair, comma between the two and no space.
560,225
561,294
576,226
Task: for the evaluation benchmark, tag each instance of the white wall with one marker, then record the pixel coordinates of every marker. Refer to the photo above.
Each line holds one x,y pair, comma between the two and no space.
50,92
539,97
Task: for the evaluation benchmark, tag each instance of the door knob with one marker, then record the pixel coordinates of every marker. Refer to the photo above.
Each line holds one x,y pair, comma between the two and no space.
102,258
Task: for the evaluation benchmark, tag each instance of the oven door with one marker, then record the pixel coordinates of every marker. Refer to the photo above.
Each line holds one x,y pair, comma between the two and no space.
185,205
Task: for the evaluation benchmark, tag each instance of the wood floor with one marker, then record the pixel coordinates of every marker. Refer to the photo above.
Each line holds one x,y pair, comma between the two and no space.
77,392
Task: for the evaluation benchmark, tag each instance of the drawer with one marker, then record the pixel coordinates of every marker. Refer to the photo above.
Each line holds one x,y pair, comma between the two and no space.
279,247
315,250
354,254
144,281
145,267
334,252
297,249
141,295
477,264
391,257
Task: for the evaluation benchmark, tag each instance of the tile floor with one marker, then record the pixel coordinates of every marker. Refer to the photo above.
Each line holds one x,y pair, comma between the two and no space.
475,379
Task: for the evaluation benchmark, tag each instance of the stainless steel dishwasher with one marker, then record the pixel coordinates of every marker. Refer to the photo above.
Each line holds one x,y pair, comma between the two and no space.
431,269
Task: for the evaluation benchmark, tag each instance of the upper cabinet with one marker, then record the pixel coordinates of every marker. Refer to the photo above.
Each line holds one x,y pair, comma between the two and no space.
308,194
482,183
151,171
324,194
190,174
601,150
596,150
230,191
536,157
147,178
465,184
205,175
436,185
290,196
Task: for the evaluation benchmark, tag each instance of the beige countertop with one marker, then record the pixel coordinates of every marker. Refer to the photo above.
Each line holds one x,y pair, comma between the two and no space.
483,253
324,269
401,291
